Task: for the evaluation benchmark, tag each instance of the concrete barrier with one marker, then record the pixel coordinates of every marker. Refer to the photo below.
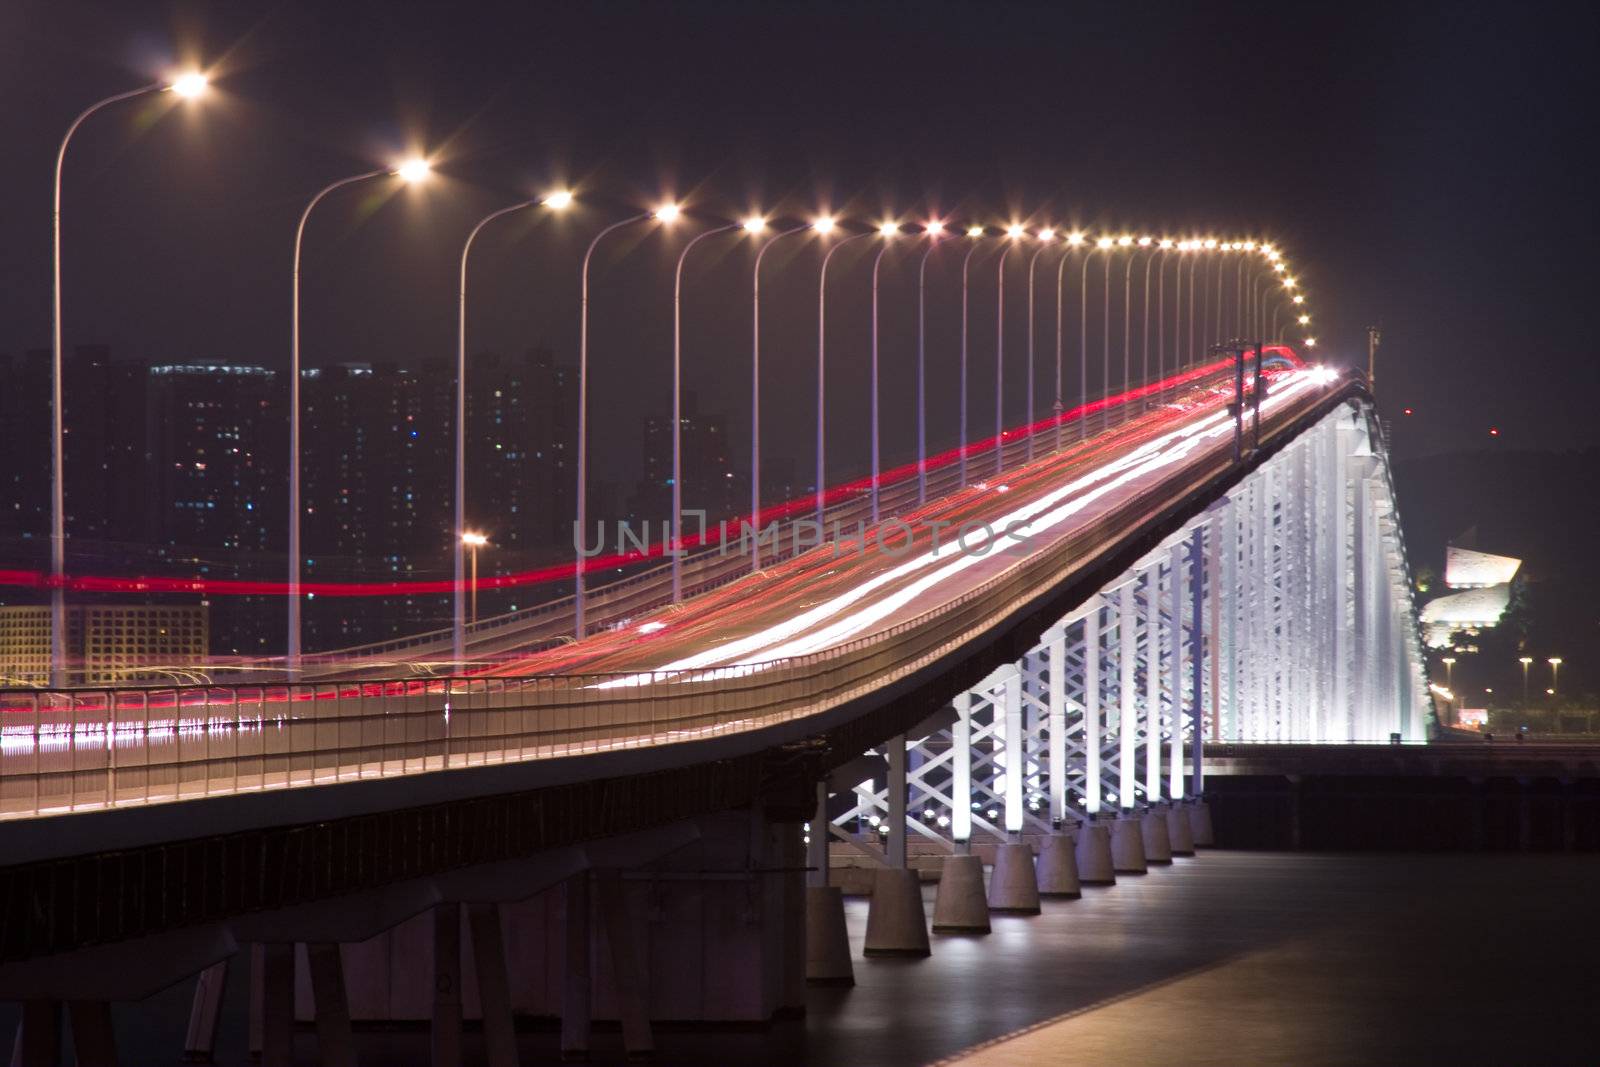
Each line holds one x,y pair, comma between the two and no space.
896,925
827,943
1200,824
1014,884
1058,867
960,906
1153,828
1127,845
1093,853
1179,835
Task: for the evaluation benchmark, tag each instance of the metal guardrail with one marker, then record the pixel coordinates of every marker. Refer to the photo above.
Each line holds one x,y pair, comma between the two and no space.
66,751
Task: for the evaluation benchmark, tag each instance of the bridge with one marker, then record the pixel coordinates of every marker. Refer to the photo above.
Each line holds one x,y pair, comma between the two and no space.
1196,565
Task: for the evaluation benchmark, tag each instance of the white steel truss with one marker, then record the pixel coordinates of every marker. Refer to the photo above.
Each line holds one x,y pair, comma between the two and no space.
1282,613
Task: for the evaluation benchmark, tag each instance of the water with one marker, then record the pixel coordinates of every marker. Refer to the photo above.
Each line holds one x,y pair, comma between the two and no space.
1230,958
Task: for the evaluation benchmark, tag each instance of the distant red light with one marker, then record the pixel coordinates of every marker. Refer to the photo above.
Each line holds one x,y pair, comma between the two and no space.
1407,411
1494,431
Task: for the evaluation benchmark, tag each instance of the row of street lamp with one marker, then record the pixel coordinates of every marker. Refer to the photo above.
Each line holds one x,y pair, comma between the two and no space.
1526,662
1249,315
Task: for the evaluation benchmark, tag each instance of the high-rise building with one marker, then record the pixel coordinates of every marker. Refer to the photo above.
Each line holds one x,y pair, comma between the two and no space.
107,644
710,481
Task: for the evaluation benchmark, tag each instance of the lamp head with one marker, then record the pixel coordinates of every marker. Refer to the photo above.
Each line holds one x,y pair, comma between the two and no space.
413,170
1299,298
1015,231
1145,242
1311,342
753,224
933,228
1104,242
667,212
1046,235
190,85
974,231
1125,240
1075,238
559,200
888,230
474,539
824,224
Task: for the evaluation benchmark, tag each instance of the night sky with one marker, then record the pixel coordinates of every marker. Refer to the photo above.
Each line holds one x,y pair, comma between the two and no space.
1424,168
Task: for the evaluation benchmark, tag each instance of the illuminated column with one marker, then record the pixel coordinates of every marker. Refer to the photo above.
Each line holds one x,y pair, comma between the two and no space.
1093,791
1226,599
1127,698
1058,727
1180,586
1338,577
1200,581
1361,588
1016,761
961,772
1152,683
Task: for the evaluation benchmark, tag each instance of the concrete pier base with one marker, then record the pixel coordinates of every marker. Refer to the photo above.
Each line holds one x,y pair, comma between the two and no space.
1127,845
1179,836
1153,827
1058,867
200,1040
1014,883
896,925
960,906
1093,853
1200,824
827,943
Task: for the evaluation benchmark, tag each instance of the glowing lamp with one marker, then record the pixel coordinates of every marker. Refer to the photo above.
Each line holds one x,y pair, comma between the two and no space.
1047,235
824,225
668,213
1104,242
754,224
190,85
1074,238
933,228
413,170
560,199
974,231
888,229
1014,231
475,540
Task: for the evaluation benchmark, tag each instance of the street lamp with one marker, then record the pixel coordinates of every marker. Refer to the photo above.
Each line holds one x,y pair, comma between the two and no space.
1074,240
1044,237
188,86
888,231
1555,675
753,225
474,541
1526,661
1014,233
665,213
825,225
669,213
409,171
1449,672
458,643
933,230
976,234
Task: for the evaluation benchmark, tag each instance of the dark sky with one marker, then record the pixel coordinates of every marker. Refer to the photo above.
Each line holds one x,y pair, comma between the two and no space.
1424,167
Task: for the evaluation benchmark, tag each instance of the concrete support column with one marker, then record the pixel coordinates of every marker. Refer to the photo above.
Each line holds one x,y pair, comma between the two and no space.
277,1004
629,979
817,845
960,906
1199,582
494,984
896,748
93,1042
1174,684
38,1041
577,990
335,1043
444,1035
200,1040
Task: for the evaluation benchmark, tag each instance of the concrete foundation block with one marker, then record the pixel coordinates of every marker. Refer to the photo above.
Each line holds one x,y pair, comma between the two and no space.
896,925
1157,845
827,944
1127,845
1200,824
1179,836
1014,883
960,906
1093,853
1058,867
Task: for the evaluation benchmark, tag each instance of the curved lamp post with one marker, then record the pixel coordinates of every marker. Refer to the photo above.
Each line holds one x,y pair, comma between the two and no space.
187,86
933,230
675,547
754,225
411,171
1044,237
825,226
976,233
666,213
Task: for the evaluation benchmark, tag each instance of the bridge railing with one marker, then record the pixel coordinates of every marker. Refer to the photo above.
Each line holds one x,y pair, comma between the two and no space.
63,751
